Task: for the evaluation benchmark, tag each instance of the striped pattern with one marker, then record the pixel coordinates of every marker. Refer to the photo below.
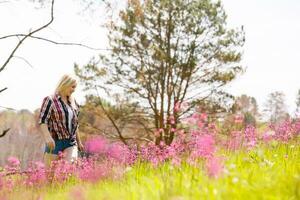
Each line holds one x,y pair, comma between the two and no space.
55,114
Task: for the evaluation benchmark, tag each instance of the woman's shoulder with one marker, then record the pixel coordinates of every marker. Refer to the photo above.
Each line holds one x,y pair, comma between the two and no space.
49,98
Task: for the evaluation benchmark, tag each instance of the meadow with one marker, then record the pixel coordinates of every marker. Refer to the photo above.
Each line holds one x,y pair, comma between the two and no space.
249,163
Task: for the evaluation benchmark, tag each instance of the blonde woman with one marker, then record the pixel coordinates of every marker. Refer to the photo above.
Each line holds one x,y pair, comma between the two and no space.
58,119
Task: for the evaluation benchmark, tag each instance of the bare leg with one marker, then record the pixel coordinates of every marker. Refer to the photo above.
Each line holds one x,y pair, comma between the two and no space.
48,158
71,154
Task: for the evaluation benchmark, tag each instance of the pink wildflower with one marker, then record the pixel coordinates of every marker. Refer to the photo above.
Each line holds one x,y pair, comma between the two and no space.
96,145
214,166
238,119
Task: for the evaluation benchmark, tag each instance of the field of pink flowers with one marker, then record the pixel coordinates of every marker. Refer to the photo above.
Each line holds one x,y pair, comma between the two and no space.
203,162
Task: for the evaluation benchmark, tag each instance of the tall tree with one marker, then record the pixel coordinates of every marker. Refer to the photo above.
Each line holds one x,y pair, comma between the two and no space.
247,106
275,107
165,53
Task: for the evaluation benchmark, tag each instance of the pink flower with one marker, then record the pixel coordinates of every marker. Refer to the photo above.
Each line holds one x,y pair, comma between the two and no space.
96,145
119,152
37,174
203,116
94,172
214,166
238,119
268,135
176,161
250,136
13,161
203,146
77,193
13,164
235,140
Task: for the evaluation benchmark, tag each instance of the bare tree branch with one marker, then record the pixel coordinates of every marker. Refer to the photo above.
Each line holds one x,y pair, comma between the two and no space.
112,136
111,119
8,108
55,42
28,35
4,132
3,89
26,61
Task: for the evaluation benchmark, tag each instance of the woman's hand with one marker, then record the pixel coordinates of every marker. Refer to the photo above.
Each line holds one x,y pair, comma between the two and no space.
80,146
50,143
47,137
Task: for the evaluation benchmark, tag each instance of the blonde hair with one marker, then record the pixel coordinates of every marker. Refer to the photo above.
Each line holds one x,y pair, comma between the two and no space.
65,82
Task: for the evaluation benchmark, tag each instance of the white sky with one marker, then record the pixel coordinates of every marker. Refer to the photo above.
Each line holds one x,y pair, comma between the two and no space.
271,52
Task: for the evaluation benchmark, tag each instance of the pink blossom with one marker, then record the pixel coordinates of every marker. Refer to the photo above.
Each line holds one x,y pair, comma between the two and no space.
284,131
214,166
238,119
37,174
77,193
203,146
93,172
234,142
13,161
96,145
119,152
268,136
203,116
13,165
250,136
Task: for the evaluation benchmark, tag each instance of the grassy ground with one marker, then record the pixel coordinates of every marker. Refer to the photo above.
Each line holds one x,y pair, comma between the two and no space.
265,173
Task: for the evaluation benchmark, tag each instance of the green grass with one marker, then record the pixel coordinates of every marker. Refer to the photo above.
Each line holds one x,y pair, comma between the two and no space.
265,173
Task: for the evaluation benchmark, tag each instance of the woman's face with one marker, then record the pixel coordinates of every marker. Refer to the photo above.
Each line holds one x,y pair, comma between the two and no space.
70,90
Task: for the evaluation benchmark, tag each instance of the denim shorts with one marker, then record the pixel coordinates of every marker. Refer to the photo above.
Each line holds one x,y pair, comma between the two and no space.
60,146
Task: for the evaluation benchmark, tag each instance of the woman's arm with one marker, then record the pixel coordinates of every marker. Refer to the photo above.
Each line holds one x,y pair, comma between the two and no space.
47,136
44,117
79,143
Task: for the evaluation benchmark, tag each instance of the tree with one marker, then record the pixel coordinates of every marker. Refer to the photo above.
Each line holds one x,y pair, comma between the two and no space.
275,107
94,121
247,106
165,53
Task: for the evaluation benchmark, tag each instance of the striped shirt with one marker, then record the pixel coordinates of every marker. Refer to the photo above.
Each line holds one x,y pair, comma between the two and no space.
55,114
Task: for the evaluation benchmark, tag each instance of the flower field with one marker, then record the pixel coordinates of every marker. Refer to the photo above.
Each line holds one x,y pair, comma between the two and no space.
201,163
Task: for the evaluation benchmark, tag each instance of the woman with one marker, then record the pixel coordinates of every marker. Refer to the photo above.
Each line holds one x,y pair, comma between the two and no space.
58,119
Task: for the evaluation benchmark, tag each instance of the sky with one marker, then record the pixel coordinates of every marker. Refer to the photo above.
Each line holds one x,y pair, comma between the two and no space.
271,52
